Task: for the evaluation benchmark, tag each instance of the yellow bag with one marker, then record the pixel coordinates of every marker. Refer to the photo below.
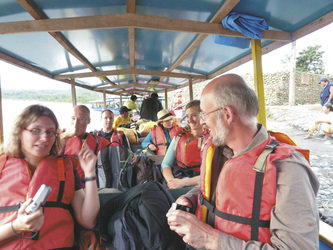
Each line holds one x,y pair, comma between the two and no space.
145,128
131,134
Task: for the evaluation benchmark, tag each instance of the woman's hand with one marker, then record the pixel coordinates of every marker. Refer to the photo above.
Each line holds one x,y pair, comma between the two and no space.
28,222
88,161
176,183
152,147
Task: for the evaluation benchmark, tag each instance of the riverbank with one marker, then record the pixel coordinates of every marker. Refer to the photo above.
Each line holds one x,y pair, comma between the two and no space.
295,121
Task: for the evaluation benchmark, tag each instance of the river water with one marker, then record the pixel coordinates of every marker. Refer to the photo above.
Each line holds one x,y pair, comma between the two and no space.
63,111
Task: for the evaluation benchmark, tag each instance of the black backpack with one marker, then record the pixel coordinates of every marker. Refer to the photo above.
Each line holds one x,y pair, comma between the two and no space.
136,219
114,169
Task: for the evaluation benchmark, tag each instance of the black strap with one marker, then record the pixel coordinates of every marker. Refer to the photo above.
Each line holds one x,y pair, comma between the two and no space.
258,189
231,217
185,166
16,207
12,208
61,190
256,205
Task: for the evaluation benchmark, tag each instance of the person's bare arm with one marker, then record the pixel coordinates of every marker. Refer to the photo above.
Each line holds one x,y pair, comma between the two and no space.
86,202
22,224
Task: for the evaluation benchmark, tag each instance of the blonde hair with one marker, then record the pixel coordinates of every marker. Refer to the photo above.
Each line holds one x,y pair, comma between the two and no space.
29,115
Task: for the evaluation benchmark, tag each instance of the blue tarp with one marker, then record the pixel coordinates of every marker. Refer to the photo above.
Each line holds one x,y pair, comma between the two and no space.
248,25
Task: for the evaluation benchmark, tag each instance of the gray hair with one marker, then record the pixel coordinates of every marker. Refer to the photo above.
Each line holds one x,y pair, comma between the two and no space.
240,96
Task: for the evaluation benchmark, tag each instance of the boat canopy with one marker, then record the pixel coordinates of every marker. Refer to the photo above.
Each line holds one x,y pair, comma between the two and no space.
138,46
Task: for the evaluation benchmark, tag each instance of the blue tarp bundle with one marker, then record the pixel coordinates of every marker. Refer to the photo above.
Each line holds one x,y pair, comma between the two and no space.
249,26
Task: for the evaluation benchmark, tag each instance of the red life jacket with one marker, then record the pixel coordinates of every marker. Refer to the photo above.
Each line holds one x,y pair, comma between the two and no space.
117,138
159,139
188,153
73,146
238,211
17,185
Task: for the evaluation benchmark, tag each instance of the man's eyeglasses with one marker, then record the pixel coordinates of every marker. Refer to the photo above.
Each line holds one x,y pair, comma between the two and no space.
203,114
80,119
37,131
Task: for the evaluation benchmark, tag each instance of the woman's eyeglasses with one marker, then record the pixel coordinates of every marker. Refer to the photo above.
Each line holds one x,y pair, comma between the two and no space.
37,131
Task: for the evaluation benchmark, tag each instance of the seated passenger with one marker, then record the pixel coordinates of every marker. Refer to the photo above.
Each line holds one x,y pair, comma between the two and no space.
159,139
75,137
123,118
181,164
324,123
115,137
30,160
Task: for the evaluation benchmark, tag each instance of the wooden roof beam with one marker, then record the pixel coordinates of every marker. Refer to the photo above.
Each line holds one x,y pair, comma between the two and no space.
128,72
311,27
219,15
129,20
36,14
131,4
135,85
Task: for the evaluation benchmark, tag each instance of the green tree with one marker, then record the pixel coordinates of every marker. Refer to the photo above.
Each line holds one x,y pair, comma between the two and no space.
310,60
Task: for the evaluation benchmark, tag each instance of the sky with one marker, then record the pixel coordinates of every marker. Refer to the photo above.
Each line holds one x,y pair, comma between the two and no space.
271,63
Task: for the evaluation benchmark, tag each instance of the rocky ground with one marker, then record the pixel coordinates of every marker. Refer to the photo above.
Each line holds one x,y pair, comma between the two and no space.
295,121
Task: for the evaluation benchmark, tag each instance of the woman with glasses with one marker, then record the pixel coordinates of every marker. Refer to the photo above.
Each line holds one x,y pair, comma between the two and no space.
159,139
181,164
30,160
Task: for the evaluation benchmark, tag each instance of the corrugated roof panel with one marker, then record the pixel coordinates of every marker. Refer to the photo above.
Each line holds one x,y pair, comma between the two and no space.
104,47
285,14
195,10
76,8
39,50
210,56
11,10
157,50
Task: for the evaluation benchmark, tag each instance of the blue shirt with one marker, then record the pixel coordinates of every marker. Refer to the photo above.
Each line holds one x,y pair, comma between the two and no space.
325,94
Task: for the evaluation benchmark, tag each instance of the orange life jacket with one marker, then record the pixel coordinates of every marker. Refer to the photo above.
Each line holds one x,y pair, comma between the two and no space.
159,139
244,198
74,145
117,138
188,153
17,185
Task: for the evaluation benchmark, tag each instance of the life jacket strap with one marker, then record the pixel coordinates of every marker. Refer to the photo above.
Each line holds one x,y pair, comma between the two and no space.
231,217
12,208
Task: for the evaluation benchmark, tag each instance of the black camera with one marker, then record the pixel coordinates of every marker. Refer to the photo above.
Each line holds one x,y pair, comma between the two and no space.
176,206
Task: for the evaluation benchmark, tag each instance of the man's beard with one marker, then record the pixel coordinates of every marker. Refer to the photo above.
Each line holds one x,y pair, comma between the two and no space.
219,139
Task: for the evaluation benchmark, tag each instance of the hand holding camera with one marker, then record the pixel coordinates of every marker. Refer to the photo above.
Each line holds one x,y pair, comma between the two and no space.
39,199
175,206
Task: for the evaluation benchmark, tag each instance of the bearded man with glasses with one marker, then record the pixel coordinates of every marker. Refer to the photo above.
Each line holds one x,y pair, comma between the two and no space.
255,192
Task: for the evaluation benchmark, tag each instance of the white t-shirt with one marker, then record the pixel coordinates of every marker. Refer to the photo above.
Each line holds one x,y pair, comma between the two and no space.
326,117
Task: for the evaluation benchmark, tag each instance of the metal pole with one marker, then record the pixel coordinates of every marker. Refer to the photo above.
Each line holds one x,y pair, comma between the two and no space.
73,92
190,88
292,79
166,98
259,79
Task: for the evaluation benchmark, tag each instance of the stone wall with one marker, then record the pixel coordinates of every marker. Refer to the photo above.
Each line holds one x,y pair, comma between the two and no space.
276,87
